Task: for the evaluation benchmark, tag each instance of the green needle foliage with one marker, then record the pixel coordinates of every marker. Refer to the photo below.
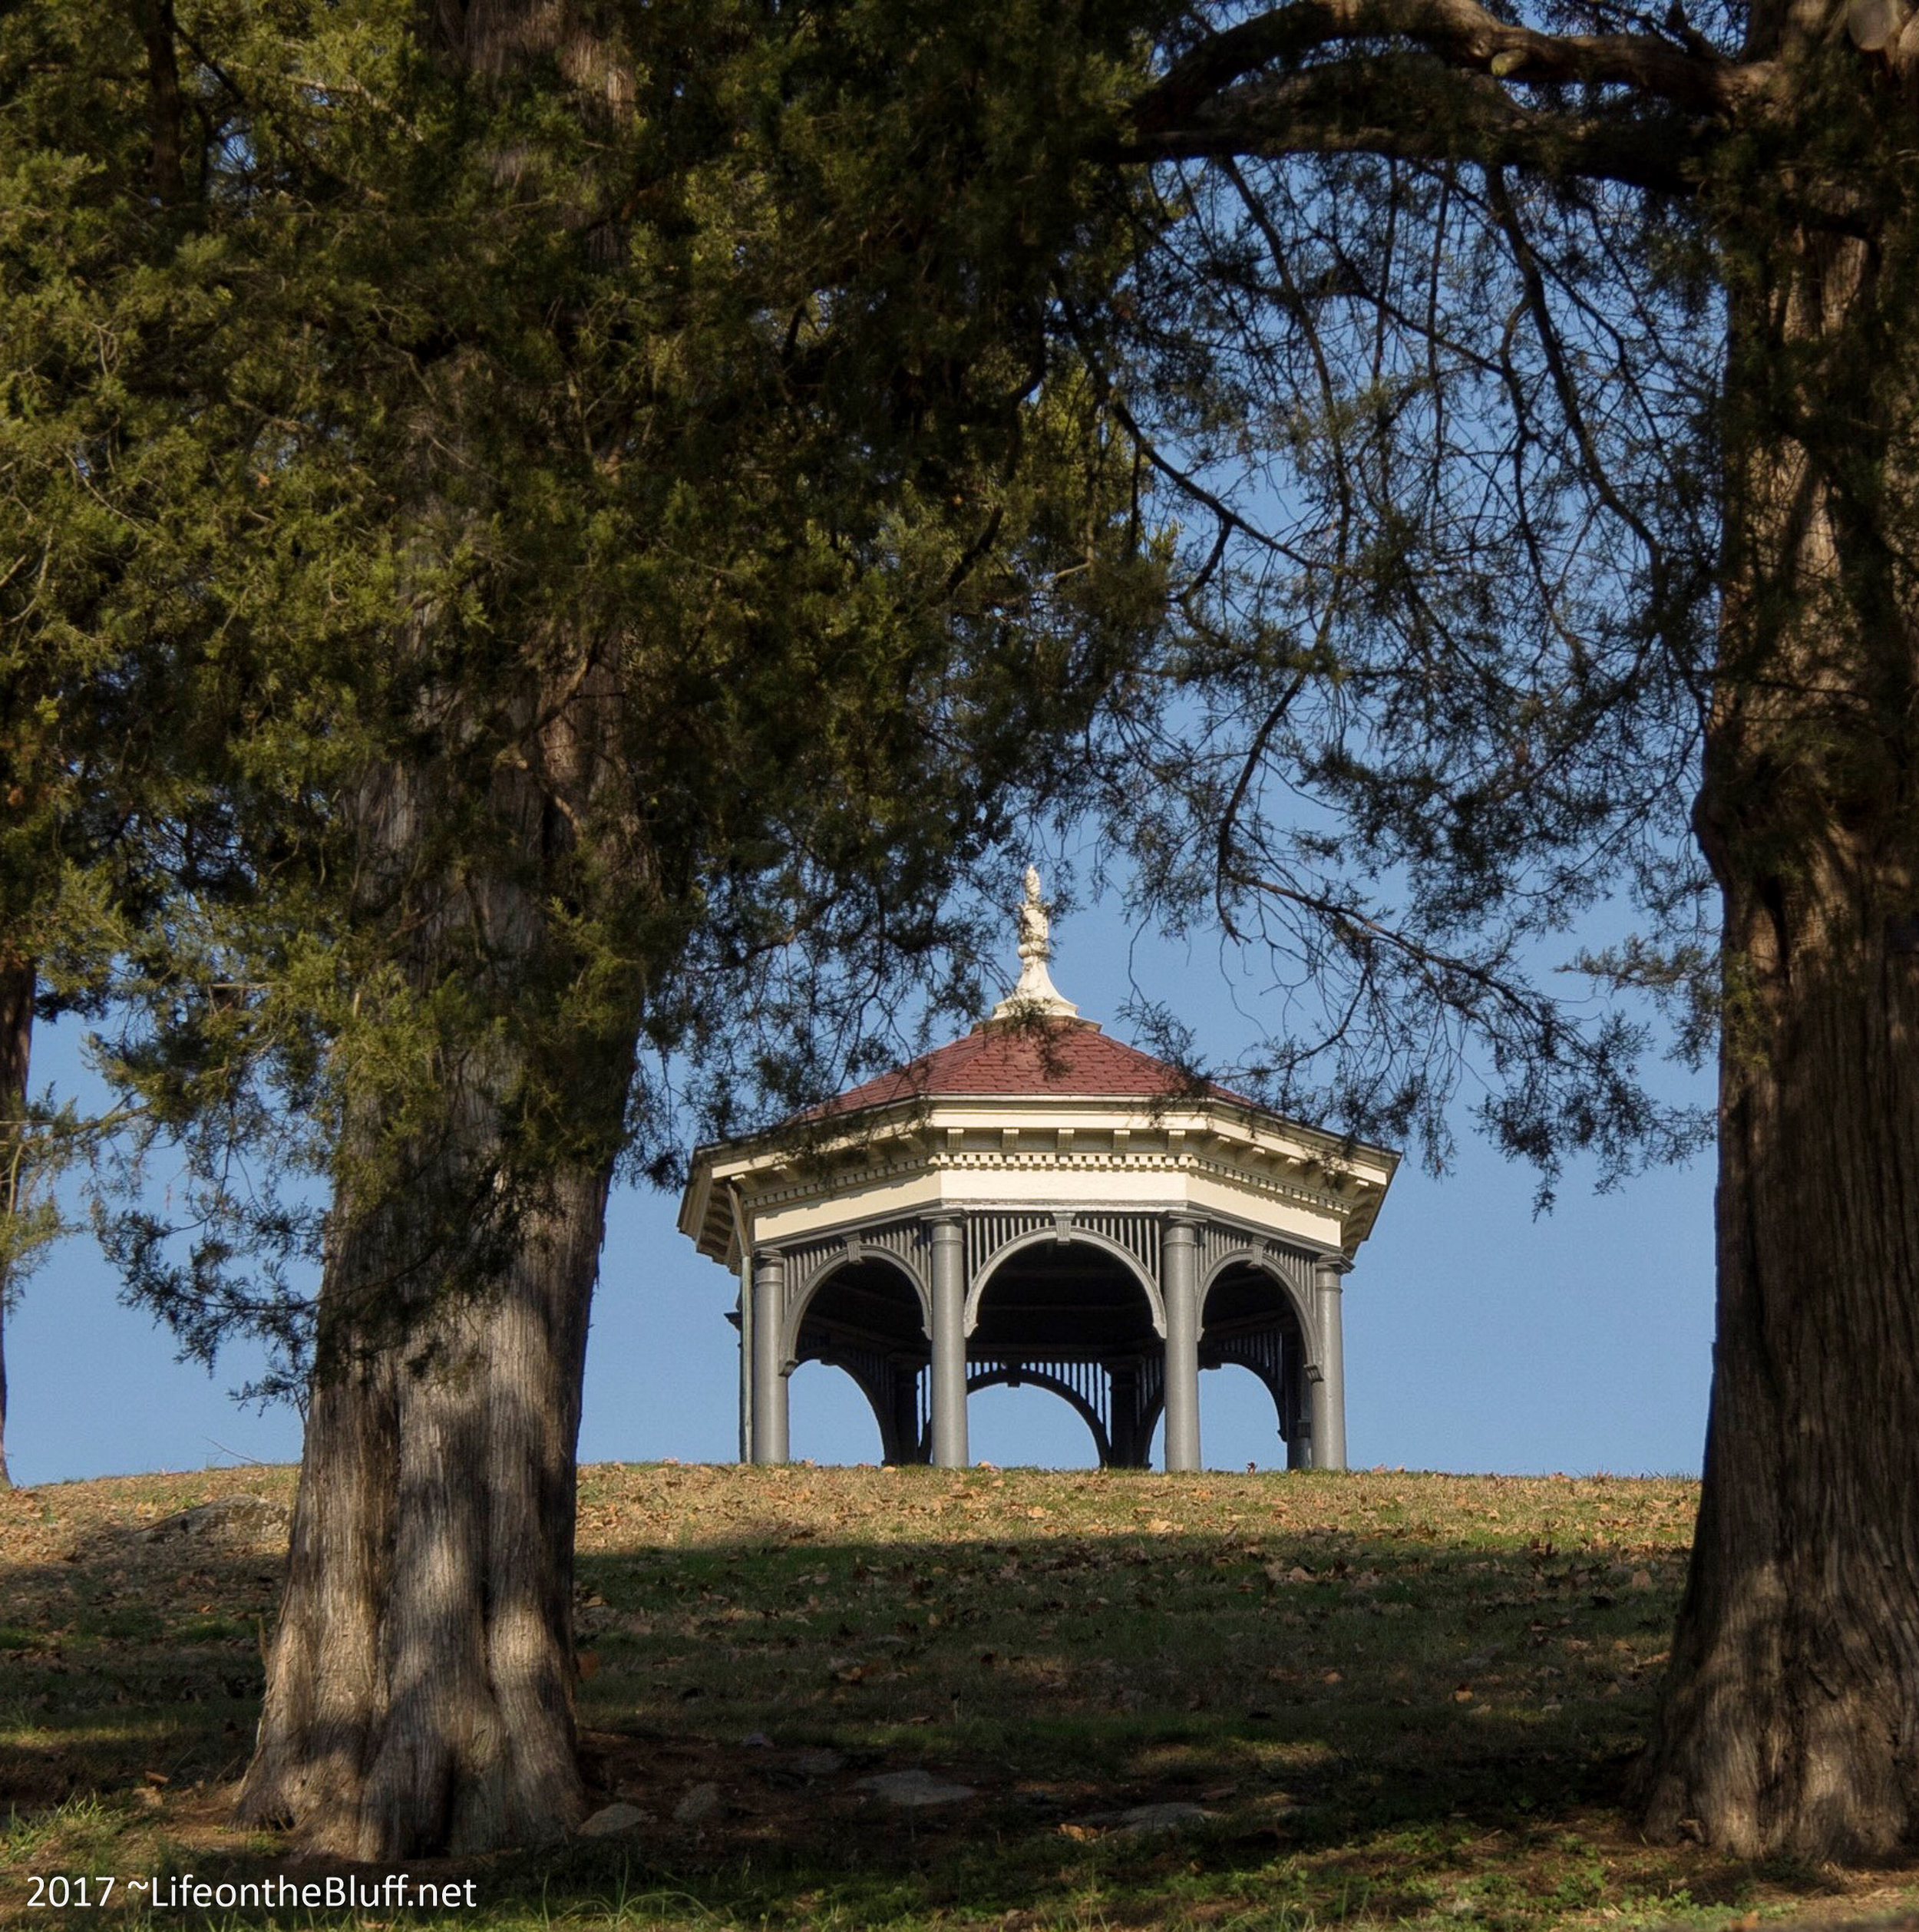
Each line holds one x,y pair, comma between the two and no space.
641,477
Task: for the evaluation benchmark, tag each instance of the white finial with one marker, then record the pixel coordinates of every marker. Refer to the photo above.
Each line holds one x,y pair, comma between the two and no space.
1036,993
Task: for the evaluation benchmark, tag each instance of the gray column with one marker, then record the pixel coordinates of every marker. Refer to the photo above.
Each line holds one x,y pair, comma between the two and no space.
949,1339
1179,1288
769,1352
746,1359
1328,1392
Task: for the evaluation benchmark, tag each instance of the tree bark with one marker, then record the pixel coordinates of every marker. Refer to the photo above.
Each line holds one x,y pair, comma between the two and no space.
16,986
1790,1719
419,1692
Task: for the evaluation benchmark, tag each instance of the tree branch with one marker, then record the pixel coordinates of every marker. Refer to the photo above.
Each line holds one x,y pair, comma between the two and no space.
1464,34
1417,107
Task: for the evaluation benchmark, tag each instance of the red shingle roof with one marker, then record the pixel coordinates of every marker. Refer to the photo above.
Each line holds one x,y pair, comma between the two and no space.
1064,1059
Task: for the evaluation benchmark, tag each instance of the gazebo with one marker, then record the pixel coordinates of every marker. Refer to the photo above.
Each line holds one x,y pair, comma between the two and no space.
1037,1203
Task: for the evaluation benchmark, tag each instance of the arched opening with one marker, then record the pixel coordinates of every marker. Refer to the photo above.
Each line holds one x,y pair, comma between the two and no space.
1250,1320
1075,1318
1238,1421
865,1317
1015,1425
831,1423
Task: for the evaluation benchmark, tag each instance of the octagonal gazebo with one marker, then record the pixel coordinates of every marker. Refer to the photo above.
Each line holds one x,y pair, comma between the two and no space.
1039,1203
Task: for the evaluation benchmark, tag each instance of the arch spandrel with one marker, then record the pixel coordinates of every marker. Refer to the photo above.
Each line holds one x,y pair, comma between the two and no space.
992,1232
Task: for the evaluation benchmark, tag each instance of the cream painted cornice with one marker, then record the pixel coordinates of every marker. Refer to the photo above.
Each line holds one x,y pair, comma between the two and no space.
863,1163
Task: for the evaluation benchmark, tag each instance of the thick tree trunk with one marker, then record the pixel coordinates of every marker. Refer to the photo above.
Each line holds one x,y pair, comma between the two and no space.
1790,1720
419,1694
16,986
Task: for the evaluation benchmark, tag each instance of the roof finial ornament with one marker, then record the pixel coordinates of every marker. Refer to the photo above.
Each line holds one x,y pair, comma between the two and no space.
1036,995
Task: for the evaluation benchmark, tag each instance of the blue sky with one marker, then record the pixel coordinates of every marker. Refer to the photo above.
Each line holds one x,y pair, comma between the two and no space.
1478,1338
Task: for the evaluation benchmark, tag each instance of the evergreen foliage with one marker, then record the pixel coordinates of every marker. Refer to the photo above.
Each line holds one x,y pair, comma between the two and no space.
369,405
1449,567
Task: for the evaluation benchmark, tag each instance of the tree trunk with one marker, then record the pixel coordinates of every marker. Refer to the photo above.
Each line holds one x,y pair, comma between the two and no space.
419,1687
419,1692
1790,1719
17,987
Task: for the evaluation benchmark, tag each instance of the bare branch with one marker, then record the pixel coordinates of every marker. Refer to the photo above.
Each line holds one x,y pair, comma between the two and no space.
1417,108
1463,34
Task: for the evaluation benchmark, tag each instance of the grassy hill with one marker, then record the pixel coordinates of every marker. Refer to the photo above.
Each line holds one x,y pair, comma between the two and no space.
1228,1701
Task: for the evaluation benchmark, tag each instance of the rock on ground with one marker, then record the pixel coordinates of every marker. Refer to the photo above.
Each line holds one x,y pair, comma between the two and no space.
610,1820
252,1513
699,1803
911,1790
1140,1819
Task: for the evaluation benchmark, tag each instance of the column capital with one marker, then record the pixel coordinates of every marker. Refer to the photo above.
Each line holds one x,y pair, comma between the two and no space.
1335,1264
1182,1227
946,1226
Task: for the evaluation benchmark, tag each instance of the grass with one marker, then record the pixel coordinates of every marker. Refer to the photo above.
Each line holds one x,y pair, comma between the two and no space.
1394,1699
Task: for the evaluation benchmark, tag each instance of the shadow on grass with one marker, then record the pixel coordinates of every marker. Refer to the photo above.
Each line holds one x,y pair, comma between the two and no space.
1330,1726
1415,1705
